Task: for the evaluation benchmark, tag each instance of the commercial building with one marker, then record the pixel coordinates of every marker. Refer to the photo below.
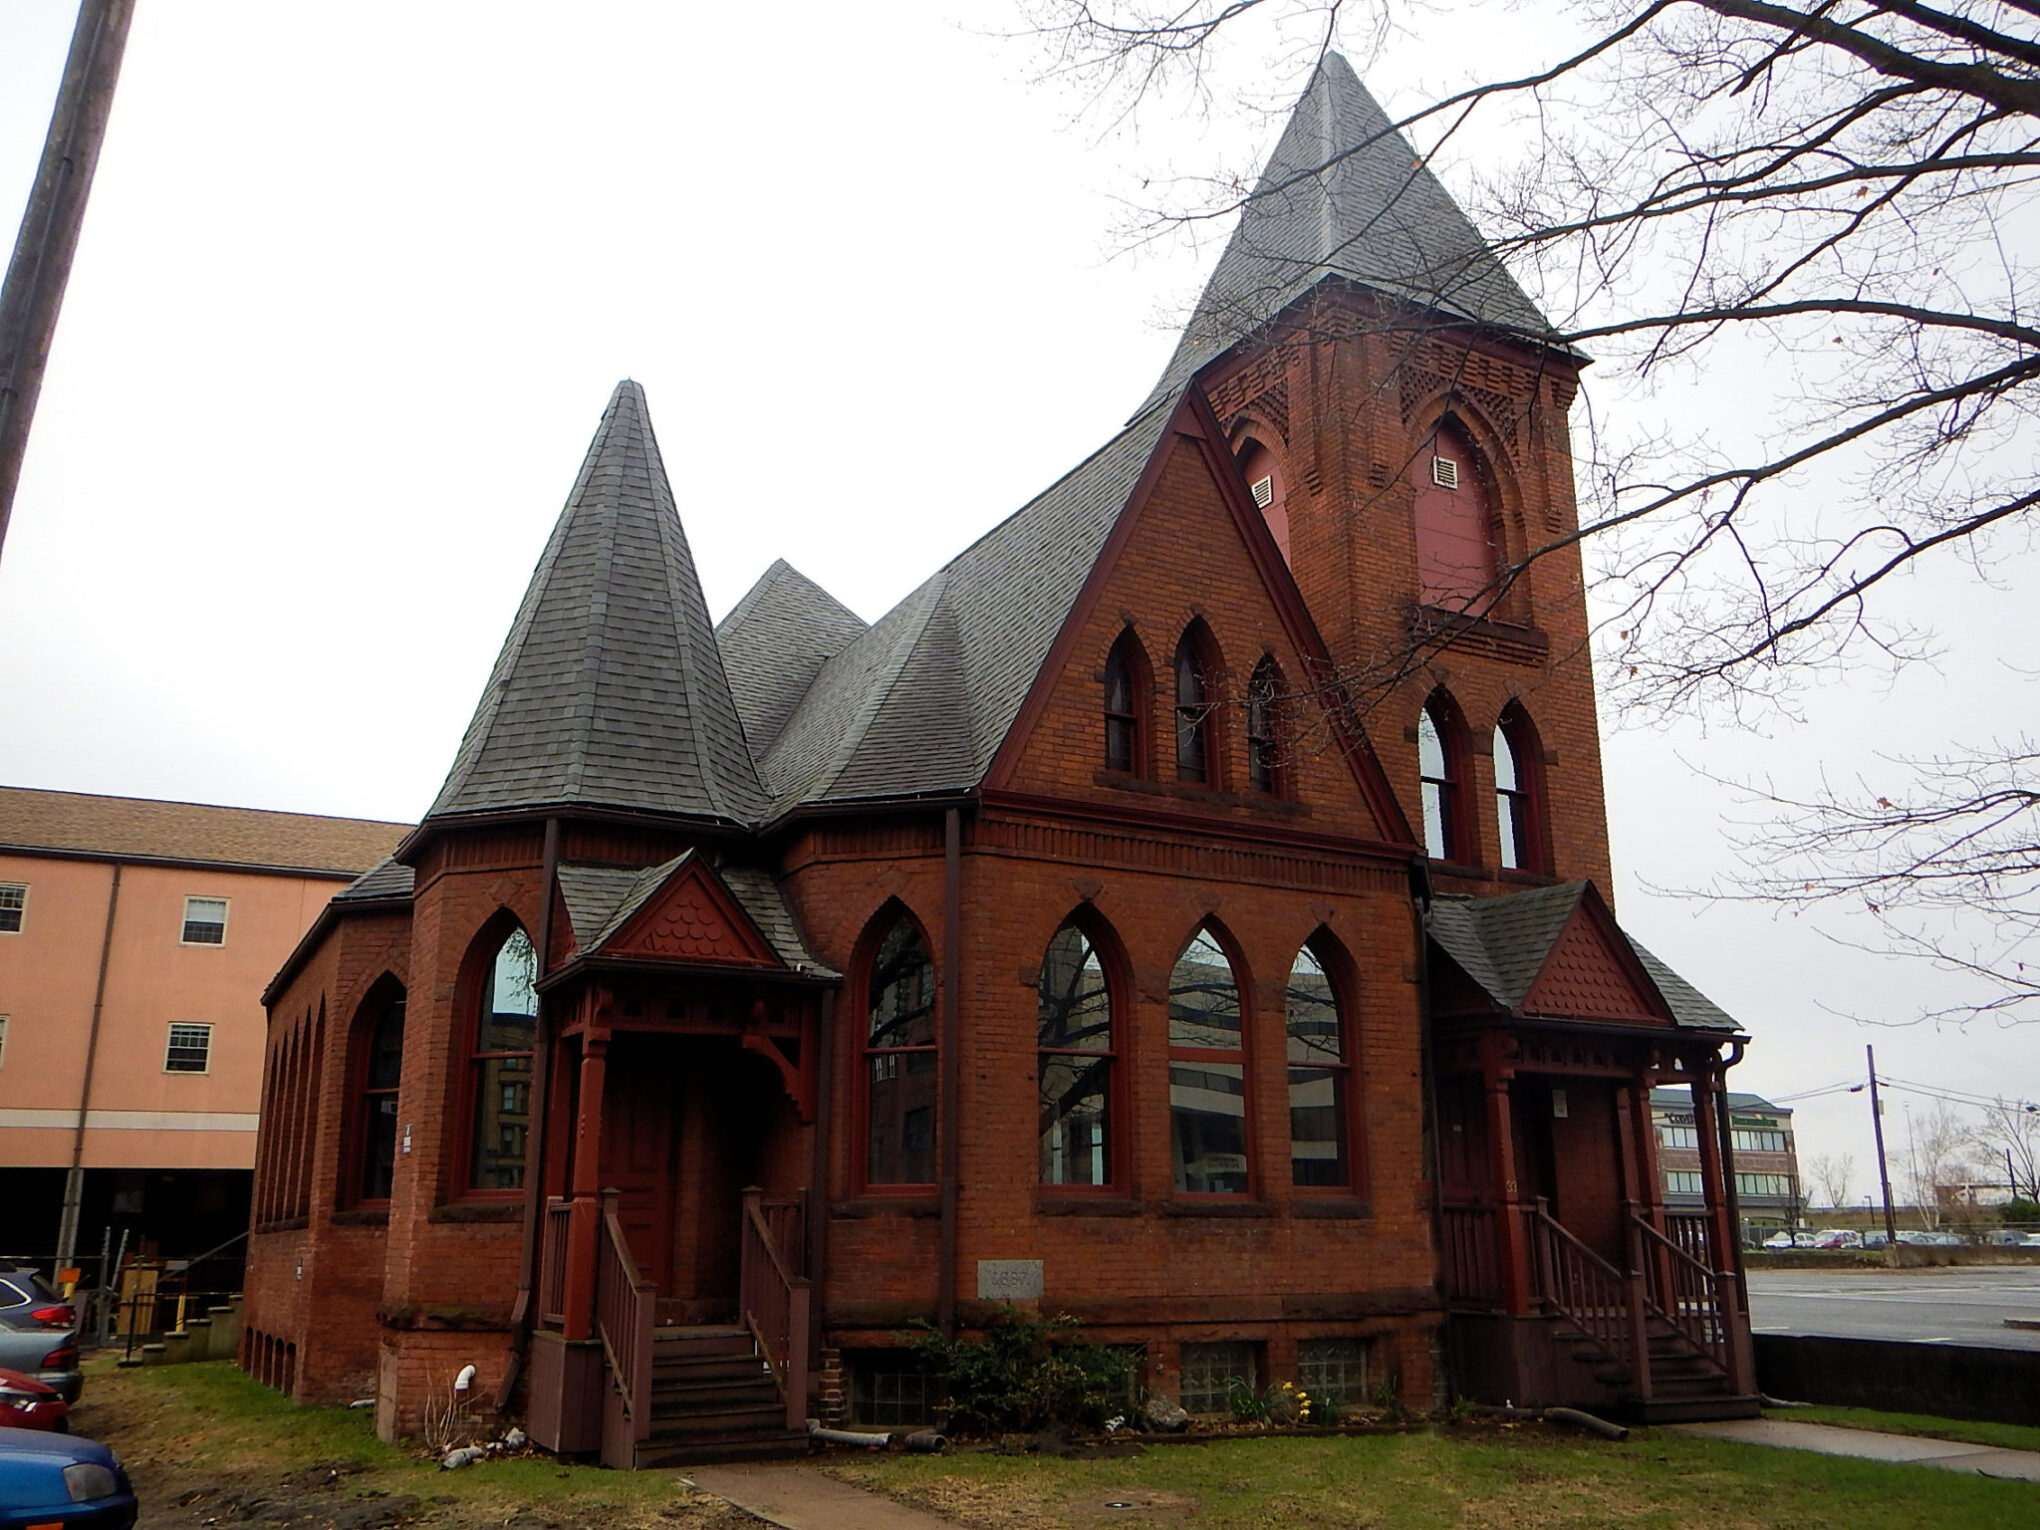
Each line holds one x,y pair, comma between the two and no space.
1769,1193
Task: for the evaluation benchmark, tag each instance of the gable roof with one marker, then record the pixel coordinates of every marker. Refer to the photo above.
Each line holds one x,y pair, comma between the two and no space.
1345,195
610,691
600,900
774,642
142,829
919,702
1504,944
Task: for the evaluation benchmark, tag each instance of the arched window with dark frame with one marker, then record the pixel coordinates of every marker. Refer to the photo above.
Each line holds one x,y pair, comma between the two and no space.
499,1064
380,1075
1126,706
1196,672
1441,771
1208,1120
899,1059
1264,727
1320,1075
1519,806
1076,1062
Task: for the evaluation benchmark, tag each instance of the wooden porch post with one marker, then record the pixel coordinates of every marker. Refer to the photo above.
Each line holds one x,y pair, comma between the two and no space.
585,1216
1636,1285
1510,1244
1714,1181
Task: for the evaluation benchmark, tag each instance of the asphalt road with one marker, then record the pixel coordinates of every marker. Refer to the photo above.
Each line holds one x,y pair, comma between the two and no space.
1945,1306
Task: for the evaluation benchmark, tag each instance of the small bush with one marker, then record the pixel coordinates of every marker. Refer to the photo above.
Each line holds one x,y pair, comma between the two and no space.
1027,1373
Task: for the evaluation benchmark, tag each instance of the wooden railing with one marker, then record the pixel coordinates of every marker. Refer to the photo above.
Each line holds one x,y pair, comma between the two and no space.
1590,1293
624,1312
1682,1290
552,1262
775,1303
1473,1270
1693,1231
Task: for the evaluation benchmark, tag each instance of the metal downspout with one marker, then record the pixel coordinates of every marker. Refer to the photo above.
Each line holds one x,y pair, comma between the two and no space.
522,1317
951,1064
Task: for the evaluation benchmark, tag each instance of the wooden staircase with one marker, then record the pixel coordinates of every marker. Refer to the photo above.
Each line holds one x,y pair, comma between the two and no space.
714,1398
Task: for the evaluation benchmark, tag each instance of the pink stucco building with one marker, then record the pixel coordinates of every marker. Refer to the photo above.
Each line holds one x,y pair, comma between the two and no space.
135,940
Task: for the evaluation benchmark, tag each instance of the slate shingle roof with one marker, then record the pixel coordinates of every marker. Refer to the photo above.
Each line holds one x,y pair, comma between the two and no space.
385,879
139,828
774,642
610,691
1502,943
1345,195
921,701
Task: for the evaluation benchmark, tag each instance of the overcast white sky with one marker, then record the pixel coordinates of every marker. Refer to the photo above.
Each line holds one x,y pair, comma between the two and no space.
357,280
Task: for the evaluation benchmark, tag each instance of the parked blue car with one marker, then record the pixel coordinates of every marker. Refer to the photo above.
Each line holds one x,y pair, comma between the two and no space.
60,1479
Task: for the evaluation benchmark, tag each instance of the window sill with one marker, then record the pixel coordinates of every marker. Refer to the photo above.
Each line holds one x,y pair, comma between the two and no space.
478,1211
362,1216
284,1224
1086,1206
1460,869
1204,796
1218,1208
1527,878
1332,1210
918,1204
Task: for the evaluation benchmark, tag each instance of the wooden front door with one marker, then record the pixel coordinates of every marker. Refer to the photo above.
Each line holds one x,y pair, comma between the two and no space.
640,1152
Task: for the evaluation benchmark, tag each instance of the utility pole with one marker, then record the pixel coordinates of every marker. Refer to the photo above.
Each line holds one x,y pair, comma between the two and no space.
34,289
1883,1171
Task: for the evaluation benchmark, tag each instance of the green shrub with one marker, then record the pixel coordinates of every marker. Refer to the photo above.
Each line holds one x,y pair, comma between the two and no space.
1027,1372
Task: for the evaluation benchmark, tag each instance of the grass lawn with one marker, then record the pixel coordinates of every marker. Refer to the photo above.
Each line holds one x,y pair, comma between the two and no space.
206,1445
2004,1436
1450,1479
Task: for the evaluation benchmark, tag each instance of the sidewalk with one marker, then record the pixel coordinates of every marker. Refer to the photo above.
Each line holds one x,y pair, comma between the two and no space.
1828,1440
797,1497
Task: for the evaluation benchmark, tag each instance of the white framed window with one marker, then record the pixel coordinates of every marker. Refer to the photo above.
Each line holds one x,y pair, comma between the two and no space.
205,921
189,1050
13,906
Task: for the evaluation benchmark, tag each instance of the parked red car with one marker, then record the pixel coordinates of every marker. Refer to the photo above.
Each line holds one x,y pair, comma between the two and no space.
26,1403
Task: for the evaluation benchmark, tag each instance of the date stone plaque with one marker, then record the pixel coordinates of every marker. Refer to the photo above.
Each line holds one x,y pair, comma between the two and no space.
1009,1280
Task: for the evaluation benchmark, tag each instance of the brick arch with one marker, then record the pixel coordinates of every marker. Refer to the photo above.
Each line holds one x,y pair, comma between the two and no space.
1251,438
1495,466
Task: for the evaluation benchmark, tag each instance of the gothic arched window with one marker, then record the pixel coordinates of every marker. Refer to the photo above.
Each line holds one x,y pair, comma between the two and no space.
1320,1076
379,1074
1196,668
1208,1133
1127,686
499,1064
1075,1062
899,1059
1264,730
1519,806
1441,769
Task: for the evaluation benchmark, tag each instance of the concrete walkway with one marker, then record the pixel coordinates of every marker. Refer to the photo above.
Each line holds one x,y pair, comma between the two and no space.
797,1497
1827,1440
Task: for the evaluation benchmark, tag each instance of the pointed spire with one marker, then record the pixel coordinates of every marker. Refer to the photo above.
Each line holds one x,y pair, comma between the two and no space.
609,691
1345,195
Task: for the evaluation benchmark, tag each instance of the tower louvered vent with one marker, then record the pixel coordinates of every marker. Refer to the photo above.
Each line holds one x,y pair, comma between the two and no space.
1445,472
1264,491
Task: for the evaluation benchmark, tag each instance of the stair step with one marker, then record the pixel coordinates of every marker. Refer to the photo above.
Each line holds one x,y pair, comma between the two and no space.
728,1419
749,1445
692,1367
675,1400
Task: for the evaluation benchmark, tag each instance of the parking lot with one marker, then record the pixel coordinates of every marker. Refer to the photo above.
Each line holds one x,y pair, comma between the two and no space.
1944,1306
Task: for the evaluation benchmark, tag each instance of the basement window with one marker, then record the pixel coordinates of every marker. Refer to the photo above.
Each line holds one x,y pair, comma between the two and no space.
891,1389
1212,1372
13,904
190,1049
1333,1372
205,921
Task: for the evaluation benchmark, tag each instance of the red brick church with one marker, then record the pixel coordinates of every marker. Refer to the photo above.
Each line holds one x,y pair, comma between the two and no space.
1184,911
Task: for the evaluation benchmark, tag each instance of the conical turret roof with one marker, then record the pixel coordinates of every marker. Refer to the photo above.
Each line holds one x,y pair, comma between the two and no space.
1345,195
609,691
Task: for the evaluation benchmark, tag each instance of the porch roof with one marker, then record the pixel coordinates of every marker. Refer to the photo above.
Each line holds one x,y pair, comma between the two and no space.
600,900
1503,944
